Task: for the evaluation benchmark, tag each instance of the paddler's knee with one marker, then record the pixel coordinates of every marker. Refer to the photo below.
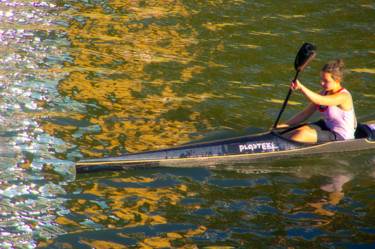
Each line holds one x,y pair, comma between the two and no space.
302,134
305,134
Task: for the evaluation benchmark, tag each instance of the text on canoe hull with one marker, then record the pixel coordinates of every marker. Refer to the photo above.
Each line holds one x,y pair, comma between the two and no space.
260,147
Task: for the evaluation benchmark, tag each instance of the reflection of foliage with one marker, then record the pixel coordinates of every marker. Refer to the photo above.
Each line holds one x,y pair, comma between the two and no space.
223,209
127,61
127,207
154,74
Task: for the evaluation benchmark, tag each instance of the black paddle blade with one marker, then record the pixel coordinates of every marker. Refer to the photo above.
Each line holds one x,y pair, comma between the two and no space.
305,54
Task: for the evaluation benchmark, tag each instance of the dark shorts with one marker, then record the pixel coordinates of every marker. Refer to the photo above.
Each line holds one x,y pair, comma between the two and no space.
324,133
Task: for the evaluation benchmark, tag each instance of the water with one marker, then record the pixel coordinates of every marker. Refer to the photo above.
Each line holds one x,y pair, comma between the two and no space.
83,79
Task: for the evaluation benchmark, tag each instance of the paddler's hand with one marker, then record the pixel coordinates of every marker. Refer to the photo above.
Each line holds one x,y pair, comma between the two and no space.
295,85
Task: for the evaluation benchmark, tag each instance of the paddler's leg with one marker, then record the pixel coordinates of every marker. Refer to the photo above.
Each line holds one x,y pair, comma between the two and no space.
303,134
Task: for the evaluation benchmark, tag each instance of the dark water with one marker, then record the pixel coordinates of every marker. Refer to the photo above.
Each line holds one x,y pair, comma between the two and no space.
82,79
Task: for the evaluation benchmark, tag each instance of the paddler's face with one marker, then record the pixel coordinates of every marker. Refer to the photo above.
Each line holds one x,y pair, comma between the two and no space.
328,83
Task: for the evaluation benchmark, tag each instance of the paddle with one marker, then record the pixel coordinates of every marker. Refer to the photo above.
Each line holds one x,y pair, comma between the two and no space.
305,54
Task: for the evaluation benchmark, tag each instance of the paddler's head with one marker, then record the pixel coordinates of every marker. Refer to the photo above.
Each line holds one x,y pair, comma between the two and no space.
332,74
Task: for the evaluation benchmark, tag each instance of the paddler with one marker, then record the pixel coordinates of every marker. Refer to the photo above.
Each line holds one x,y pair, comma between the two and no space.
333,102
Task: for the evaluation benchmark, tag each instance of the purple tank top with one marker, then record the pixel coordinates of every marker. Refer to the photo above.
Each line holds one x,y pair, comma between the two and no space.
339,121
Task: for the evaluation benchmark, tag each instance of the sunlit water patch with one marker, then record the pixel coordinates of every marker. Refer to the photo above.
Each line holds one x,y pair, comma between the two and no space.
31,35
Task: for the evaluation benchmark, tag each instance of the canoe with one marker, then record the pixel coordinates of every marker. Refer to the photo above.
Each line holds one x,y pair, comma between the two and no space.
266,146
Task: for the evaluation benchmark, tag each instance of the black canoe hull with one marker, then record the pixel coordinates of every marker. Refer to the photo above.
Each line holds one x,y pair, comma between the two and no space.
264,146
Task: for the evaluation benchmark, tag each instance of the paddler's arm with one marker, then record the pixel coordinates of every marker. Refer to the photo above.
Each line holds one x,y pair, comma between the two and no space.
306,113
300,117
318,99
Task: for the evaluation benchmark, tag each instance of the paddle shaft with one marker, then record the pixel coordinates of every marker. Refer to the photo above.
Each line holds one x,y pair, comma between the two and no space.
286,101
